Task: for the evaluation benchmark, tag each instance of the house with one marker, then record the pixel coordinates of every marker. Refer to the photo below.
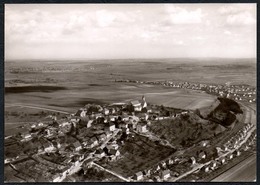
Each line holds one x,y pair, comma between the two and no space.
26,135
169,162
224,148
81,113
213,165
125,117
108,133
165,174
123,125
102,137
112,110
141,128
229,156
114,152
157,168
204,143
89,123
192,160
202,155
100,153
125,130
48,147
147,172
138,176
112,147
93,142
205,168
156,178
77,146
222,160
112,118
111,127
75,119
106,111
143,116
112,158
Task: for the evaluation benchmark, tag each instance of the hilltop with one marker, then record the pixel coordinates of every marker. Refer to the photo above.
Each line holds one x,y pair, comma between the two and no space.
223,111
191,128
185,130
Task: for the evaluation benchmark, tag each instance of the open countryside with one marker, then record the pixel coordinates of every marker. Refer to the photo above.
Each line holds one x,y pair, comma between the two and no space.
124,153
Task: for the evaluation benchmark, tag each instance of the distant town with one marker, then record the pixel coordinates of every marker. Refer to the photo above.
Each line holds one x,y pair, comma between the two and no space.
100,143
244,93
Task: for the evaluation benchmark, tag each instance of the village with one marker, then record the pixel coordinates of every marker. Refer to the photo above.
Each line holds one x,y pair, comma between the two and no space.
240,93
100,137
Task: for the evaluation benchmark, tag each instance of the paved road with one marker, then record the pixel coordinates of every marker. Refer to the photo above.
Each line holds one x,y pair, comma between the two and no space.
246,170
113,173
242,172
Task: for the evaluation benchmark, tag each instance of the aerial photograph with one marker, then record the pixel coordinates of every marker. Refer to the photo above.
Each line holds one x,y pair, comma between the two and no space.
130,92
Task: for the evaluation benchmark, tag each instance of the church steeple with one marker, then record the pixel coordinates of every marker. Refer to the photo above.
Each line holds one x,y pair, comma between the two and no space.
144,104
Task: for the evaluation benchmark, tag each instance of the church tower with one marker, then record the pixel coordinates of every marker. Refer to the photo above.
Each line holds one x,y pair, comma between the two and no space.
144,104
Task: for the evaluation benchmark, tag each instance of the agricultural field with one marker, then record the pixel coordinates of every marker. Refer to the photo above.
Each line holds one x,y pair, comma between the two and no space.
19,119
68,85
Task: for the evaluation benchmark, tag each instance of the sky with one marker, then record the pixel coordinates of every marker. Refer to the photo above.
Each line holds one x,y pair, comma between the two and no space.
123,31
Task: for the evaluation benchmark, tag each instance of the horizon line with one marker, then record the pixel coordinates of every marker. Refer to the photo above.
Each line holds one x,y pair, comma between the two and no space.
97,59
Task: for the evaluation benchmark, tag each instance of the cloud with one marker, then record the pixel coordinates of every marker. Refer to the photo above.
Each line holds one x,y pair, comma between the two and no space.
245,18
105,18
179,15
227,32
239,14
229,9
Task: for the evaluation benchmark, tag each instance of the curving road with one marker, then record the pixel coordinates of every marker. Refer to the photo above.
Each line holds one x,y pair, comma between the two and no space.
242,172
245,171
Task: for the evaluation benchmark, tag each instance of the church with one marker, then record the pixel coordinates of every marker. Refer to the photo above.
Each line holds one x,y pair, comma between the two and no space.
139,105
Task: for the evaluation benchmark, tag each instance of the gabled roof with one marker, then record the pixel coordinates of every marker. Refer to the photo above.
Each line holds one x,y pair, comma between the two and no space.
113,151
77,144
165,172
99,151
139,174
135,103
93,139
111,123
